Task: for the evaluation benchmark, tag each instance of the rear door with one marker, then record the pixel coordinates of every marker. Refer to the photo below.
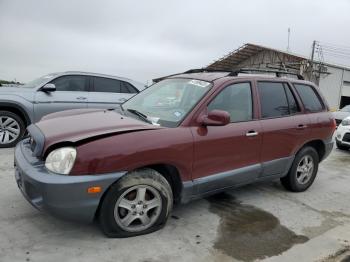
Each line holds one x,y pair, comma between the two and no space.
321,121
284,126
71,93
109,93
229,155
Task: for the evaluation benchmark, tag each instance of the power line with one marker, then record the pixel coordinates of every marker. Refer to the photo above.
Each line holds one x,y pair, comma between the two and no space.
333,50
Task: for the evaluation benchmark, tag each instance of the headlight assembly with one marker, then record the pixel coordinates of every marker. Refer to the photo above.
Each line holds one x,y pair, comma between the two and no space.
345,122
61,160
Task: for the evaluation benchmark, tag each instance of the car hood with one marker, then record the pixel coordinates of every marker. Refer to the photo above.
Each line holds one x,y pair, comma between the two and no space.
85,124
340,115
10,90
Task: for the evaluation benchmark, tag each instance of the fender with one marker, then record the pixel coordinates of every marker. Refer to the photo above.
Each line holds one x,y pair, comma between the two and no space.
11,104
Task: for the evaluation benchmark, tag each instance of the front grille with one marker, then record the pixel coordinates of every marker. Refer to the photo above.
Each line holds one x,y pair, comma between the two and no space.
346,137
338,121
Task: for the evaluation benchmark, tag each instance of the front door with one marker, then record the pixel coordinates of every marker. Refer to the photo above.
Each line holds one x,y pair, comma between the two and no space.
226,156
71,93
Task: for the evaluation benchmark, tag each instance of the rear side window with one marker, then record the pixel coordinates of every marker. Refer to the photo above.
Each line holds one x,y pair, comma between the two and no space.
309,98
293,105
107,85
127,88
71,83
273,99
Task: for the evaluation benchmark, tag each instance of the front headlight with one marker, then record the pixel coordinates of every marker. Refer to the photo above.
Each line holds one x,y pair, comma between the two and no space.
61,160
345,122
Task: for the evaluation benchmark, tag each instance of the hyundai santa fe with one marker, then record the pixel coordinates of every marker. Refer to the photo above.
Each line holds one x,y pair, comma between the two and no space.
185,137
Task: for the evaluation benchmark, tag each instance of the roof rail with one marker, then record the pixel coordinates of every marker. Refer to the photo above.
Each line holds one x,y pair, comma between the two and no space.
203,70
278,73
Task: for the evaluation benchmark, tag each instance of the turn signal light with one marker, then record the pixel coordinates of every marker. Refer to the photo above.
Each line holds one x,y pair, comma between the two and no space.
94,190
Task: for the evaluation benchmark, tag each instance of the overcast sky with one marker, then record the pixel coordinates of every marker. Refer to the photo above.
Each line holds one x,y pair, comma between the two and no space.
151,38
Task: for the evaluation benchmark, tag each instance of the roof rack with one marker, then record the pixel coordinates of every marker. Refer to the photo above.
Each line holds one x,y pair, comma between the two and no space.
278,73
203,70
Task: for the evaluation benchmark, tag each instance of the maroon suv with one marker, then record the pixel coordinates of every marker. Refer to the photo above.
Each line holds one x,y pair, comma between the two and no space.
185,137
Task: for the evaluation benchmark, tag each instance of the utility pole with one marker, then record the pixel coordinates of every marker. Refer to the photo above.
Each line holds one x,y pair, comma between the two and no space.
288,39
312,58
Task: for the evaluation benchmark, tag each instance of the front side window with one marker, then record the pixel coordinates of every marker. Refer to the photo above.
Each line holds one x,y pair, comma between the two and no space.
235,99
107,85
273,99
309,98
71,83
167,102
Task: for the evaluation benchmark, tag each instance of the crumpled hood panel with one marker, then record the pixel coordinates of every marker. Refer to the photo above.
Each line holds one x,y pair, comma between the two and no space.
77,125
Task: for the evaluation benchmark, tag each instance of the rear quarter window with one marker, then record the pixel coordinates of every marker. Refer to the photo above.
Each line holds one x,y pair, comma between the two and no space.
309,97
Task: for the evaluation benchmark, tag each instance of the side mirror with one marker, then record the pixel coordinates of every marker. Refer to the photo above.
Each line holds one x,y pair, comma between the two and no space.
216,118
48,88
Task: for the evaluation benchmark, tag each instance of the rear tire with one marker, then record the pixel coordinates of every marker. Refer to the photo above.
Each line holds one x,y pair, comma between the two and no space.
12,129
340,146
139,203
303,170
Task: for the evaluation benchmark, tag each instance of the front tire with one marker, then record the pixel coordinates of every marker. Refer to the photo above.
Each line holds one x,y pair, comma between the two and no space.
139,203
12,129
303,171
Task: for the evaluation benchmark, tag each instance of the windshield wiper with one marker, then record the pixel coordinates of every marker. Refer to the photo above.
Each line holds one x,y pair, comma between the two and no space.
140,115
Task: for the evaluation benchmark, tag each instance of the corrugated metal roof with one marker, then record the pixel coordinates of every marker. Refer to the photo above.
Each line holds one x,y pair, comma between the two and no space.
243,53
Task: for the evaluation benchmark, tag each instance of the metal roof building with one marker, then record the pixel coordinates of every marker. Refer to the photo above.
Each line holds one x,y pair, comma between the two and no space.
333,80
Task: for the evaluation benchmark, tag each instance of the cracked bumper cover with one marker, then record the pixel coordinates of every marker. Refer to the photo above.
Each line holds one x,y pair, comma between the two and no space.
63,196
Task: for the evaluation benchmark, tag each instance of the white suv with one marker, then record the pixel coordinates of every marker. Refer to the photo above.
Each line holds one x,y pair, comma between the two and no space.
343,134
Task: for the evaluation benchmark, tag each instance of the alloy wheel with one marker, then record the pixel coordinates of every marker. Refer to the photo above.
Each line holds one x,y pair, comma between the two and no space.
138,208
305,169
9,130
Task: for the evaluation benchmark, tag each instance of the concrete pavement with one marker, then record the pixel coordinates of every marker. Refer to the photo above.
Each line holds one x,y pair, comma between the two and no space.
255,222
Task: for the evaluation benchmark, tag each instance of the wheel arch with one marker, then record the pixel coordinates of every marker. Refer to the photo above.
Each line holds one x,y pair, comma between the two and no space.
318,145
16,109
169,172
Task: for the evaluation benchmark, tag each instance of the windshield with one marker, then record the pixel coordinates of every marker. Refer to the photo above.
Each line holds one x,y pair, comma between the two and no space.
167,103
345,109
39,81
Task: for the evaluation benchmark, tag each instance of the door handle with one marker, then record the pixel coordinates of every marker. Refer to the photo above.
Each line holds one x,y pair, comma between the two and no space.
81,98
122,100
252,133
301,126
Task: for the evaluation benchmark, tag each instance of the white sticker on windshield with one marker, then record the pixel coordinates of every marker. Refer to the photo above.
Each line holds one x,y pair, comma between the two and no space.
199,83
177,114
48,76
154,120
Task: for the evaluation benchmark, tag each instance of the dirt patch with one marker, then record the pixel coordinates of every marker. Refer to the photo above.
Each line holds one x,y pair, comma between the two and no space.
248,233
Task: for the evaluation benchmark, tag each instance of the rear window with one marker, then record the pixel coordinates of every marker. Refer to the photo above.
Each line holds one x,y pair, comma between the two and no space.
310,99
